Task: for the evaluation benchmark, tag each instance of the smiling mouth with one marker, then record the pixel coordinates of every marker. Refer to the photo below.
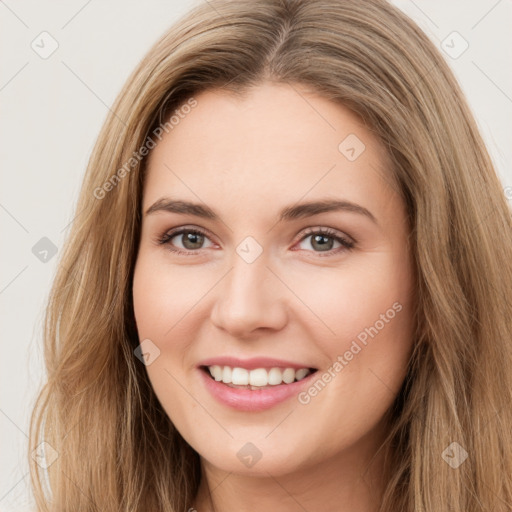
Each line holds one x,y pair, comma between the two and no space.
259,378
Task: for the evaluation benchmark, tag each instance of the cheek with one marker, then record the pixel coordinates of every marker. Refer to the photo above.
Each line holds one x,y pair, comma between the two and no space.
166,300
365,331
365,366
159,302
342,302
164,296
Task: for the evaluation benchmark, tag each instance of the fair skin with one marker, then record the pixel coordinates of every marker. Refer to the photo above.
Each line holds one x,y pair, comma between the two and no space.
300,300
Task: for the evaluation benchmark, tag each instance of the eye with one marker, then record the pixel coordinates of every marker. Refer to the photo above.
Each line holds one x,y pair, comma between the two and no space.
323,239
191,240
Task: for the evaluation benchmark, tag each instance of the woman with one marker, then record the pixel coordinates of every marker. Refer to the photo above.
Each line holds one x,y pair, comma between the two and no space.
290,283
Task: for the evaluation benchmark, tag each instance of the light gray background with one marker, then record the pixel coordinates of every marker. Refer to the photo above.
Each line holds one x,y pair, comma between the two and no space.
51,113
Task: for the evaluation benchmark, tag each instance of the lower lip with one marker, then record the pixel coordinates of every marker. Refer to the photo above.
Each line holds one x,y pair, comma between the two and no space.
252,400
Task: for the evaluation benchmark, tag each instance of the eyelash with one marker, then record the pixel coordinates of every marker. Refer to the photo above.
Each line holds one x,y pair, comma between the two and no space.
347,245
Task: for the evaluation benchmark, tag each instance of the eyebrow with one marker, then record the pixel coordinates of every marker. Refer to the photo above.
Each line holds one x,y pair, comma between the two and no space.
293,212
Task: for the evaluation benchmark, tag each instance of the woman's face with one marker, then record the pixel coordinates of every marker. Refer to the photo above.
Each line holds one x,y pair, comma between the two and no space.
294,256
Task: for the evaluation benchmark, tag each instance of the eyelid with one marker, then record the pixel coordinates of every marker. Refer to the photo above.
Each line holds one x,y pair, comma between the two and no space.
171,233
328,232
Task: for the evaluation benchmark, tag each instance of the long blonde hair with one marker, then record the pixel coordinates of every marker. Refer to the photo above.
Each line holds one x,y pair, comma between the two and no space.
116,448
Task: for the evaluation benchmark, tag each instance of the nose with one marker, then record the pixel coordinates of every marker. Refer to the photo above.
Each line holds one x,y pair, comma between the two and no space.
250,298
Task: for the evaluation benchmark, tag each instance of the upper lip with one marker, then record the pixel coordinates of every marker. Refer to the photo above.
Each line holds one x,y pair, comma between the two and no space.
253,363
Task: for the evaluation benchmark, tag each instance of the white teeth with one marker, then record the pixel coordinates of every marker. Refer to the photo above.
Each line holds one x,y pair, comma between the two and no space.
289,375
226,375
216,372
300,374
275,376
257,378
240,376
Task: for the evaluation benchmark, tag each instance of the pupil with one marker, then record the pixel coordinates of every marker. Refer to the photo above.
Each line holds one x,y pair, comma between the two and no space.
194,239
323,246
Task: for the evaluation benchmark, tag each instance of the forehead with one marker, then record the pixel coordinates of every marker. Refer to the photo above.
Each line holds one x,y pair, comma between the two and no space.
278,142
